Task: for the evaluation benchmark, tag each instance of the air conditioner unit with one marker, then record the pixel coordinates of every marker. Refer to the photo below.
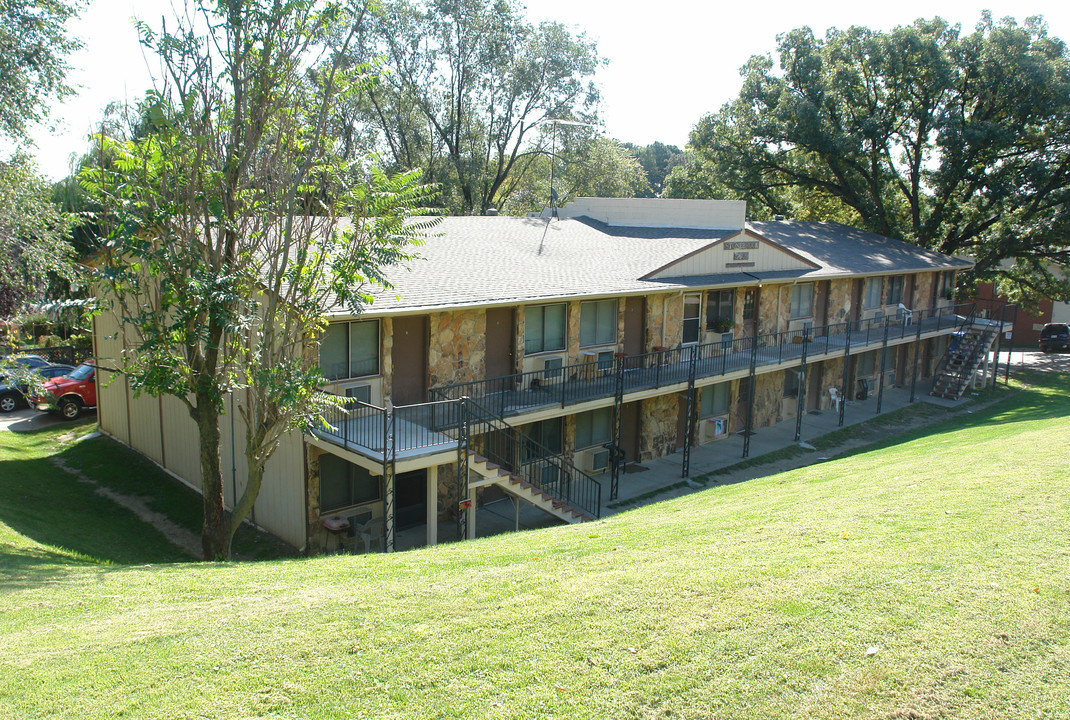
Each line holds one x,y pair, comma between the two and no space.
360,392
605,361
551,369
594,460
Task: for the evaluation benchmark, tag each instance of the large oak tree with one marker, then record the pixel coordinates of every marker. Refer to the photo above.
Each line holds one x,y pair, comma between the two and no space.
960,143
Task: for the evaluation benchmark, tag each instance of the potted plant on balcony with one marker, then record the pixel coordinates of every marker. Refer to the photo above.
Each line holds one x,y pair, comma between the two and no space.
724,327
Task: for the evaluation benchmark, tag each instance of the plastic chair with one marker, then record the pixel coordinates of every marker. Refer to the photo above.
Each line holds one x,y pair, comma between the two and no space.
372,530
906,314
835,398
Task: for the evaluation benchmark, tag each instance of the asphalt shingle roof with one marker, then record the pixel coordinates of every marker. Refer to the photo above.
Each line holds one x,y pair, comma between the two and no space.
511,260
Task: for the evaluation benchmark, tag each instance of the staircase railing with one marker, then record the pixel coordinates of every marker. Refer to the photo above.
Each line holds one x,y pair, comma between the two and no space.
967,321
490,436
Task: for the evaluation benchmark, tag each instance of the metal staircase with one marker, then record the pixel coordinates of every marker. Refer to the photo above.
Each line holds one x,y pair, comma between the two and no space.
502,455
962,362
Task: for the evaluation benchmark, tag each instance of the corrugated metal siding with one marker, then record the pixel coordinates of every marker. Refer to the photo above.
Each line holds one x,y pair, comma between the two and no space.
111,387
145,426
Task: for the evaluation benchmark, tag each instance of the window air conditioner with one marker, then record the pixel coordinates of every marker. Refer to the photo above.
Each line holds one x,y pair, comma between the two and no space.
551,369
600,460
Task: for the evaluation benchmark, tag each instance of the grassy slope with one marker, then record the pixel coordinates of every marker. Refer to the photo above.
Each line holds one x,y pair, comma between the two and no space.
950,554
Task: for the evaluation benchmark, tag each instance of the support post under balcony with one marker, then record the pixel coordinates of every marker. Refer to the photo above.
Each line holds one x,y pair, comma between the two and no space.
917,349
462,470
800,399
846,373
750,397
884,363
618,424
689,435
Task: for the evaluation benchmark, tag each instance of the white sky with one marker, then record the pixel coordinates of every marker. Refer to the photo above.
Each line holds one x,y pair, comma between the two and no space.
670,62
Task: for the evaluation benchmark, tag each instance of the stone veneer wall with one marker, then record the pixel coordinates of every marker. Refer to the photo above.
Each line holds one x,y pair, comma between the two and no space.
767,308
386,329
657,422
316,534
458,347
923,290
768,394
448,492
664,320
839,301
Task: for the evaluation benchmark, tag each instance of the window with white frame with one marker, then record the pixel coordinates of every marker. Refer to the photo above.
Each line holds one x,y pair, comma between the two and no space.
594,428
894,294
720,310
350,350
544,328
871,297
598,323
692,317
714,400
802,300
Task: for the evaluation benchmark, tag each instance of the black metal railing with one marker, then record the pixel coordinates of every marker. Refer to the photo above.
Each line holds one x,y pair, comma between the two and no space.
385,434
565,385
490,436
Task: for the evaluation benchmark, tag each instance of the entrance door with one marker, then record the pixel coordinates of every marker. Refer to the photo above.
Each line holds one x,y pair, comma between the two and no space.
750,312
821,304
814,371
410,359
501,341
634,325
410,499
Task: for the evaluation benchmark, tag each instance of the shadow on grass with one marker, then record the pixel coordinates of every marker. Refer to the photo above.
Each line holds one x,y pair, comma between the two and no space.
1045,396
76,525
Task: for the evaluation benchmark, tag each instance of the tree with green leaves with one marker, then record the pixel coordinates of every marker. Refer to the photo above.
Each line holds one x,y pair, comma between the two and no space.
33,231
233,228
34,46
960,143
465,88
658,160
586,164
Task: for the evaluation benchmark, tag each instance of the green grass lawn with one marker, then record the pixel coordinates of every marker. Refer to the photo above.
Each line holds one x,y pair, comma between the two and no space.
946,557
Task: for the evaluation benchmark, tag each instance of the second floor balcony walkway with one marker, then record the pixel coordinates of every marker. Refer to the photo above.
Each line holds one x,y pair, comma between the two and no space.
523,393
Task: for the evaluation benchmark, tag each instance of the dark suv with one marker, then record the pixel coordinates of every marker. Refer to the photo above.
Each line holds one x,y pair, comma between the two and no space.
1055,336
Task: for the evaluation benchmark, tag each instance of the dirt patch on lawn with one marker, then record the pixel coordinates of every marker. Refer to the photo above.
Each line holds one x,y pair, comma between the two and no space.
177,535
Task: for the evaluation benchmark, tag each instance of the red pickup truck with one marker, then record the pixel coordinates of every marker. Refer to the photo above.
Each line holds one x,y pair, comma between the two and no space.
71,394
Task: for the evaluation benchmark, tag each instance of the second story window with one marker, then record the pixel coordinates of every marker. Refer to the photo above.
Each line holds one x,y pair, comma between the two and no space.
802,300
720,310
692,316
598,323
895,290
872,295
544,328
350,350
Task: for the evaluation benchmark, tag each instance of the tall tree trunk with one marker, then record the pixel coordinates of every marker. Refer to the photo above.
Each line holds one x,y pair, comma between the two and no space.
215,532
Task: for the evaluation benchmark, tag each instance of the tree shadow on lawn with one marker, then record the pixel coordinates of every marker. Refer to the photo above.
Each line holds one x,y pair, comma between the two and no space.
1046,396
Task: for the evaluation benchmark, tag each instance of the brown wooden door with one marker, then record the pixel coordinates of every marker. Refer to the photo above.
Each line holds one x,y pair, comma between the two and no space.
856,300
410,359
814,371
501,342
635,325
750,311
821,304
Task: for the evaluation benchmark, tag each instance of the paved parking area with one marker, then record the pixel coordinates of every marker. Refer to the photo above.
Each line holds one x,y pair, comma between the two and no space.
27,420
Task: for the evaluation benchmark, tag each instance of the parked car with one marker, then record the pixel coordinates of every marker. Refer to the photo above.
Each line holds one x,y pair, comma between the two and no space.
13,396
1055,337
26,361
71,394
